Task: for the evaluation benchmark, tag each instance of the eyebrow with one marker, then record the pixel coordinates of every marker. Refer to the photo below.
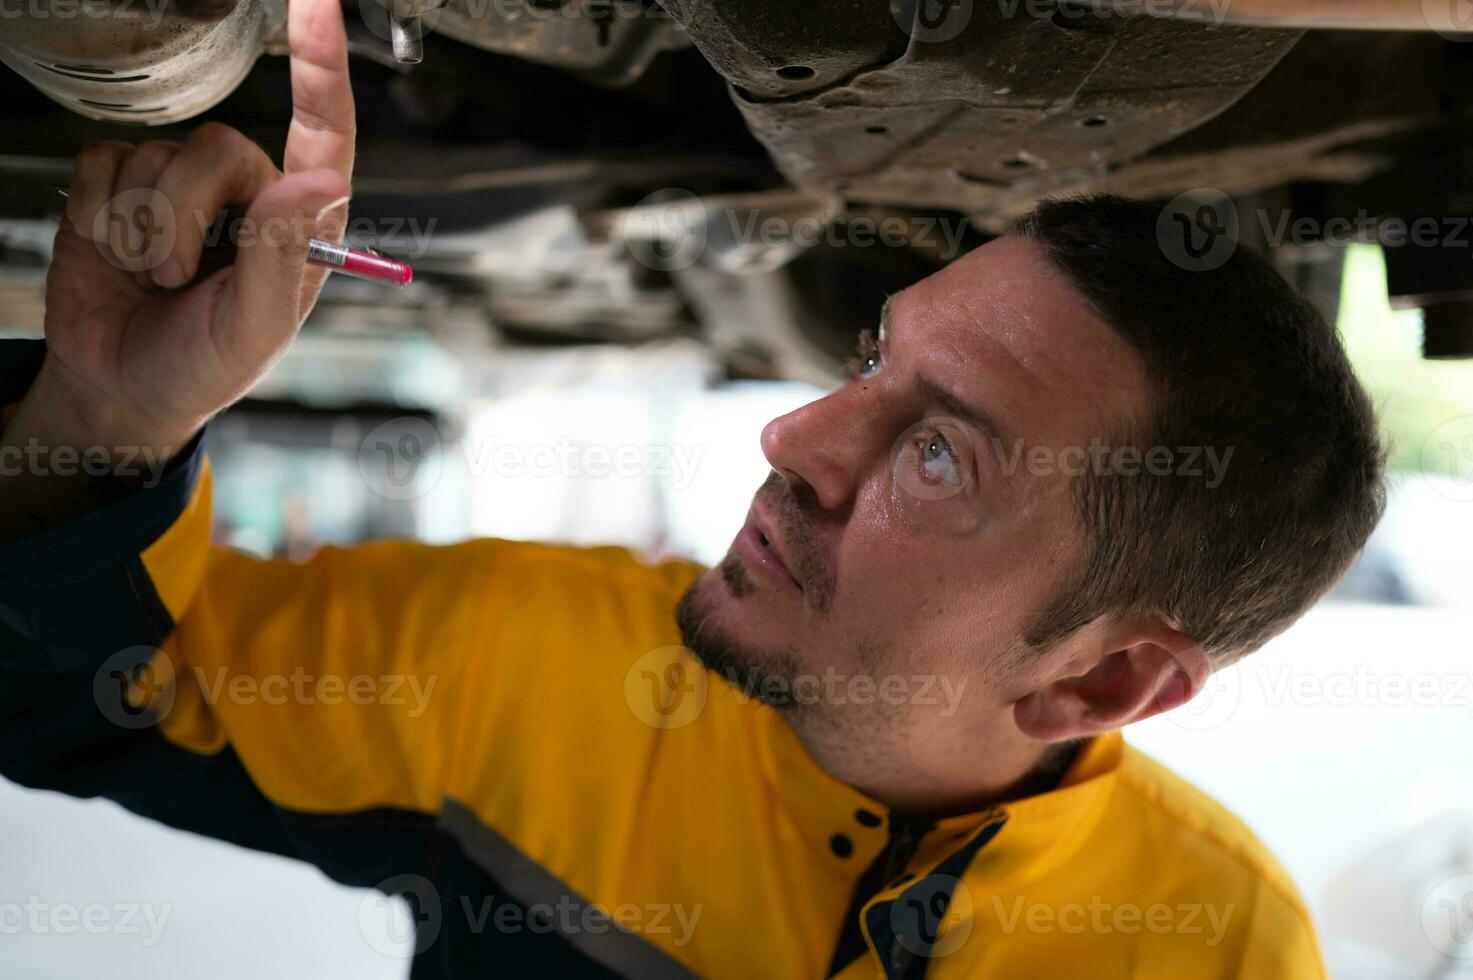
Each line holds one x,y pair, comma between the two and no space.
936,394
952,405
885,316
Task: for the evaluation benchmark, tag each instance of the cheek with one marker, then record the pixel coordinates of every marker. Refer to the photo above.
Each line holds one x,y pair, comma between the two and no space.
936,595
935,521
899,588
900,520
926,493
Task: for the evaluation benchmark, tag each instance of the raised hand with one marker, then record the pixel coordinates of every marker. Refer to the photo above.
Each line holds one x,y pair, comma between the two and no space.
141,349
129,327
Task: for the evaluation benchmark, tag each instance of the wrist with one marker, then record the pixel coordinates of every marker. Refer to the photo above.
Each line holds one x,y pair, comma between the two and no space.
57,412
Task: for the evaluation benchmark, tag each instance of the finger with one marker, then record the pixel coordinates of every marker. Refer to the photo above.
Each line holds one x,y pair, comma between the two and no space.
139,171
323,121
216,167
263,310
77,259
95,171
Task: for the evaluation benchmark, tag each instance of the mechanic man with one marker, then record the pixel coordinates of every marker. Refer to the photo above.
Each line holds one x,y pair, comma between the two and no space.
1067,481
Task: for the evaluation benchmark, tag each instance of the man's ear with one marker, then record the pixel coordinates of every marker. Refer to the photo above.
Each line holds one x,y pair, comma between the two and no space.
1138,672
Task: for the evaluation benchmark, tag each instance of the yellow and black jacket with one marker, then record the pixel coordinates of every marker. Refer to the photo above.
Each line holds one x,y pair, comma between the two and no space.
510,735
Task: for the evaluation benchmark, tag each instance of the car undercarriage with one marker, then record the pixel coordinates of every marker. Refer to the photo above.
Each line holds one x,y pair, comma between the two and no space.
622,171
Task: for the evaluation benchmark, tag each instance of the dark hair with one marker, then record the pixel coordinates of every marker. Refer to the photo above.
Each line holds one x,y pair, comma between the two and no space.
1238,360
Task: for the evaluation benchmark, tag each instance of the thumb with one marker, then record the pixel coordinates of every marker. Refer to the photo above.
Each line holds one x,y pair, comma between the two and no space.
271,256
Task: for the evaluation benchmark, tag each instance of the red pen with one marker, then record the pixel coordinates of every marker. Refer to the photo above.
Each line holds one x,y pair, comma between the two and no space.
360,263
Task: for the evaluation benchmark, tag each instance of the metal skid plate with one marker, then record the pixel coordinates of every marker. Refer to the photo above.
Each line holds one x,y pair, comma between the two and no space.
980,107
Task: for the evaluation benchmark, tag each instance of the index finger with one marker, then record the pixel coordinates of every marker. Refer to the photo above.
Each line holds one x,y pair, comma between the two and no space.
323,121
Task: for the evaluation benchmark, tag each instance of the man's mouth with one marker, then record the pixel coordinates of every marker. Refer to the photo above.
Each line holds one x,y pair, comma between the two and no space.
759,551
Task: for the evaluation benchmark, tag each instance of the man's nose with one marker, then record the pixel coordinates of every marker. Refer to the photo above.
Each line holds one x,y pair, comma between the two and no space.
825,444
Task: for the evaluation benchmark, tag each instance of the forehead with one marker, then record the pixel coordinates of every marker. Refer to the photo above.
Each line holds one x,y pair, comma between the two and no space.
1003,327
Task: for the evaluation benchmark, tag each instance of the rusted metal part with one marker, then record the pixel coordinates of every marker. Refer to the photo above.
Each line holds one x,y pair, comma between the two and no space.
775,49
135,62
607,42
154,62
198,10
1341,108
1017,103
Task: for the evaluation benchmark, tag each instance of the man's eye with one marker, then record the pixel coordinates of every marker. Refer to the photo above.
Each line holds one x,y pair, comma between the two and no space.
866,361
938,460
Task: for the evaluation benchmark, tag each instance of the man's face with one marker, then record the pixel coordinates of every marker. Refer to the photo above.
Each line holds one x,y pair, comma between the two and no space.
919,518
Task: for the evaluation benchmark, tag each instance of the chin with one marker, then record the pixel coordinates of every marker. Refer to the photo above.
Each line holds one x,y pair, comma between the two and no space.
734,630
710,607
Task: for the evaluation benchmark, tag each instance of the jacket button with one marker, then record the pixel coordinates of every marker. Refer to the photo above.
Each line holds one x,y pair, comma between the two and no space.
867,818
841,845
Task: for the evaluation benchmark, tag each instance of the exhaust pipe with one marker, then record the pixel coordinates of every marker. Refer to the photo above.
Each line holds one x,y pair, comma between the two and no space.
137,61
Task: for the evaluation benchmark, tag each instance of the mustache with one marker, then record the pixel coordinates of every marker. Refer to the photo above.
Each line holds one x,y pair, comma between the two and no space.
795,510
